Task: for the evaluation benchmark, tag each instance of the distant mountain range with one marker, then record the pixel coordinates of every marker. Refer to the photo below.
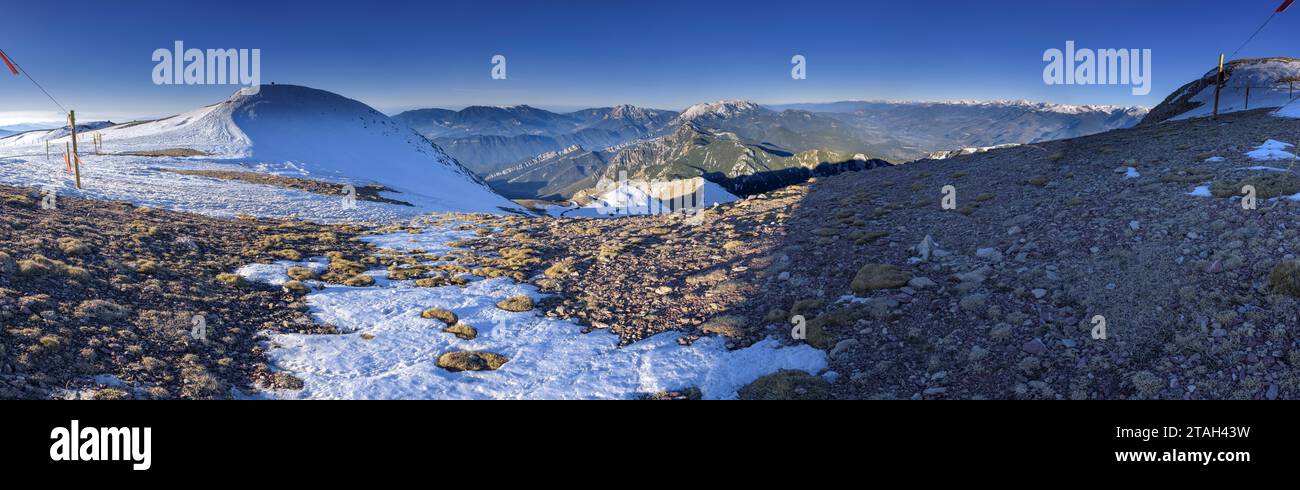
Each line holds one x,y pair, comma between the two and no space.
488,139
741,165
526,152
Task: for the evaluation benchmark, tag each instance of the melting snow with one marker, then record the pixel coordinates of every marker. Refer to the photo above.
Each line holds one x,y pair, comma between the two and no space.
1131,173
549,358
1272,150
1290,110
1201,191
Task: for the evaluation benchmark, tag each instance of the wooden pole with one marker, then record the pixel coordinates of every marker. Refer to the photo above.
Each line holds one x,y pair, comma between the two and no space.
76,161
1247,97
1218,86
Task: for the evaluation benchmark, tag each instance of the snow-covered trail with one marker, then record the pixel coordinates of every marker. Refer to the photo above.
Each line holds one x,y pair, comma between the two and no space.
388,351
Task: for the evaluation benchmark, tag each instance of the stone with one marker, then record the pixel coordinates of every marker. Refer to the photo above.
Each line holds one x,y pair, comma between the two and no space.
920,283
990,254
1034,347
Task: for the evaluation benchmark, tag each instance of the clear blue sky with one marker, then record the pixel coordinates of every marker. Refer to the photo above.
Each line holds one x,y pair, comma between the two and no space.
95,56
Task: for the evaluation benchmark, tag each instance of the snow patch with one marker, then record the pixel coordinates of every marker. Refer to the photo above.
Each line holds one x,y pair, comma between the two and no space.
548,358
1272,150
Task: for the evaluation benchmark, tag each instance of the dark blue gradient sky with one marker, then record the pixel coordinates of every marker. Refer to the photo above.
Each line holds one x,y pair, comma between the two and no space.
95,56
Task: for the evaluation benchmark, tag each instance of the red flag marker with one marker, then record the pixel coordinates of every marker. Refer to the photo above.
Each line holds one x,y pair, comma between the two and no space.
14,69
1284,6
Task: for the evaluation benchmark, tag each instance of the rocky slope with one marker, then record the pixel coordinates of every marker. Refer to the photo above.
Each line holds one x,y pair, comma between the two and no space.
998,297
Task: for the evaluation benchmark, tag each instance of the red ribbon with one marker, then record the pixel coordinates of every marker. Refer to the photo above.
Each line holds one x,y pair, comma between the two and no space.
14,69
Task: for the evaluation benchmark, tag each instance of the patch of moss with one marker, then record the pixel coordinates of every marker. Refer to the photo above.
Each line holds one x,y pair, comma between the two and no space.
471,361
230,279
787,385
285,381
1148,383
301,273
1285,278
110,394
72,246
102,311
463,331
872,277
726,326
288,254
447,316
359,281
1267,185
518,303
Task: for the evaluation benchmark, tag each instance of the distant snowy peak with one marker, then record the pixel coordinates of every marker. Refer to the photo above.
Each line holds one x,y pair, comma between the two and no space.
721,109
1051,107
637,115
849,106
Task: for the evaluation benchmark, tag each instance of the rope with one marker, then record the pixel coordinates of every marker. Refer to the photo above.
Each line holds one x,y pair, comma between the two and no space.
1252,36
38,85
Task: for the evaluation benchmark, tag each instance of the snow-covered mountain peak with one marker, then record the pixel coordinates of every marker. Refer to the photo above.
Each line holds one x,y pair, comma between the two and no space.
721,109
317,134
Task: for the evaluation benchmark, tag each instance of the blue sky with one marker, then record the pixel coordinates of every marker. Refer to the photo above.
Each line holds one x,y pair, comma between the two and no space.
95,56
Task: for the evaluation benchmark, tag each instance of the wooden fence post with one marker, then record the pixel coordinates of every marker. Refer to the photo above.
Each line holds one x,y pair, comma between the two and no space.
76,161
1218,86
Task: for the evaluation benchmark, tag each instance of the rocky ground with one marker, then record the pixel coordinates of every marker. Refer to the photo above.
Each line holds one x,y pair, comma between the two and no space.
94,288
1044,239
995,298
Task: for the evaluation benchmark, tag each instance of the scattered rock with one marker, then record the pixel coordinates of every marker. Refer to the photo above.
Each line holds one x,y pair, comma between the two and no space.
471,361
1034,347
